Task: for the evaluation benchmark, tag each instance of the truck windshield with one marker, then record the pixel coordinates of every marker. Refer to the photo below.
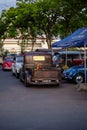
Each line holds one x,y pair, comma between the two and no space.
40,58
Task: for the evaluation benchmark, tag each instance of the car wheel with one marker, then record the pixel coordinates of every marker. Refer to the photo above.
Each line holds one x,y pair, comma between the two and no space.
79,78
13,73
3,69
17,75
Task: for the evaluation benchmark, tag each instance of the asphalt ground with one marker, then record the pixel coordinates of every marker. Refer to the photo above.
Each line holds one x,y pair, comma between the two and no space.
41,108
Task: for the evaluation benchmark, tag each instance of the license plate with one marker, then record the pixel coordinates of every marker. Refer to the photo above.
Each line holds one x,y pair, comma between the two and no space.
45,81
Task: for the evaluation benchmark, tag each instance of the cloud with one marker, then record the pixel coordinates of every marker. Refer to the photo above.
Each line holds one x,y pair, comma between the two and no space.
5,4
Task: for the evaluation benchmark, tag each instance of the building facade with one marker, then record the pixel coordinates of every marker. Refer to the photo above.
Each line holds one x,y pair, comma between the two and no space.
14,45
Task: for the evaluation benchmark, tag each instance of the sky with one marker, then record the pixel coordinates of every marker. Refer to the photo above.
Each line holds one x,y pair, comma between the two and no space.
5,4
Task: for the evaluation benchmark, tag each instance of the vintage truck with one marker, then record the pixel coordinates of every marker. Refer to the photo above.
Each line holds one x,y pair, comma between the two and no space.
37,69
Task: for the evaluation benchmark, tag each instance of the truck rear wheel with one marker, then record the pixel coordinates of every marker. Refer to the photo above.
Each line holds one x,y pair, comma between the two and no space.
25,82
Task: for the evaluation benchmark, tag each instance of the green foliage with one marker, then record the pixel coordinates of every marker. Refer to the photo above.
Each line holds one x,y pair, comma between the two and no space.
51,18
4,52
2,27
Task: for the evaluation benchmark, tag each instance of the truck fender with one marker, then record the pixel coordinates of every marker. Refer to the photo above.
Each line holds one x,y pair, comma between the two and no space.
27,73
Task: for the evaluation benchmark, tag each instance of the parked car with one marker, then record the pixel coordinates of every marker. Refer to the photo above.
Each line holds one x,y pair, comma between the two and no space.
7,63
75,74
69,58
38,69
1,59
16,65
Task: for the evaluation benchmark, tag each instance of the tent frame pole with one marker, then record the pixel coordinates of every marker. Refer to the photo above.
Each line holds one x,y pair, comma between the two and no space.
66,58
85,60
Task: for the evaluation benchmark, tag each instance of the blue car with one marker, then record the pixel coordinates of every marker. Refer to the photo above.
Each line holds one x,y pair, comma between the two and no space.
76,74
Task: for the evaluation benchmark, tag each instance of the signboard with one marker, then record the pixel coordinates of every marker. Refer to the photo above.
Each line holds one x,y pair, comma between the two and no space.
39,58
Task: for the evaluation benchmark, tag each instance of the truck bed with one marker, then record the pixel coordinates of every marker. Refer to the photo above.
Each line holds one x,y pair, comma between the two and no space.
44,75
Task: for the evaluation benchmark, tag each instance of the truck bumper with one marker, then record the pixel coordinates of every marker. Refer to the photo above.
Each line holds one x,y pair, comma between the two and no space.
44,82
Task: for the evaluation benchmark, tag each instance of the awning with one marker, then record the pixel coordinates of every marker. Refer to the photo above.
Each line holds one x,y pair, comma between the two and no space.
76,39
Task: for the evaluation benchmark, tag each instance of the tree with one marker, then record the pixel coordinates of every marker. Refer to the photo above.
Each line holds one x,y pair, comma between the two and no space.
47,17
3,28
21,24
51,18
71,13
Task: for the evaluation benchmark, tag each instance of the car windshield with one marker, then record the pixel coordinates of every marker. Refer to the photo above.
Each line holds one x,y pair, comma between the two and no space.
9,59
19,59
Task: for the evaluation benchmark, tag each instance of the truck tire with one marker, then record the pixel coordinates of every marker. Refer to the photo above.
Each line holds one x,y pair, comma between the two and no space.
25,82
79,78
20,77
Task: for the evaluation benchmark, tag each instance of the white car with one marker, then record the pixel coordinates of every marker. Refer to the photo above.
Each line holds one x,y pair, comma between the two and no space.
17,64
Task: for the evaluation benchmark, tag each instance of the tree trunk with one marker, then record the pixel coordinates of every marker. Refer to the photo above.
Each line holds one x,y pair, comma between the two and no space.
48,40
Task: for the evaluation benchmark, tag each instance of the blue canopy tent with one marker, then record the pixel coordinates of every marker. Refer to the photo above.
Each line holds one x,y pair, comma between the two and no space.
76,39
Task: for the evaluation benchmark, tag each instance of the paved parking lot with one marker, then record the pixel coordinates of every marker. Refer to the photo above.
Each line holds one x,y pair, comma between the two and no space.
41,108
